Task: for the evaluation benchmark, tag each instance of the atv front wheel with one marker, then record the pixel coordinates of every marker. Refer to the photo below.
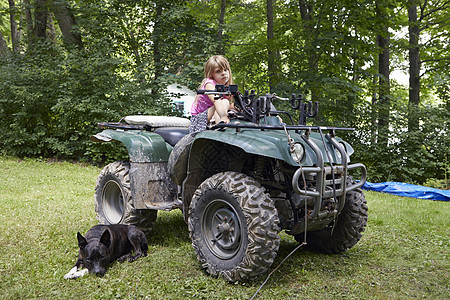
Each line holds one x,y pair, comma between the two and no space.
113,199
345,231
233,226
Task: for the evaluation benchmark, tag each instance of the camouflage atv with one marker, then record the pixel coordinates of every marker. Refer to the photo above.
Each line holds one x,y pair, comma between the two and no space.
238,184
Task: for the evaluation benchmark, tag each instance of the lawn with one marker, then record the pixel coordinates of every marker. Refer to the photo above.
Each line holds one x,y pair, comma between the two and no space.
403,253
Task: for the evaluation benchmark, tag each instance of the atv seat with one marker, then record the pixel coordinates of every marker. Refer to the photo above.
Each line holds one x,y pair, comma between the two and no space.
171,129
157,121
172,134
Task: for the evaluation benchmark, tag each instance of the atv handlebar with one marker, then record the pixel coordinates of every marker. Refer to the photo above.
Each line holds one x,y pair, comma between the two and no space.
252,108
212,92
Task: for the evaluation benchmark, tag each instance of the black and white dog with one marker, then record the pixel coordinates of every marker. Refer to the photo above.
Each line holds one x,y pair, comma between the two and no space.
104,244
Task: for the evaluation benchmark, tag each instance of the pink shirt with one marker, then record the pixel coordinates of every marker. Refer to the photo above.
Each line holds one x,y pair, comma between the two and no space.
202,102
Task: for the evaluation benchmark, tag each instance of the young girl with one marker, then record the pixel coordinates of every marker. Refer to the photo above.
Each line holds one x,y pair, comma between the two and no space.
217,71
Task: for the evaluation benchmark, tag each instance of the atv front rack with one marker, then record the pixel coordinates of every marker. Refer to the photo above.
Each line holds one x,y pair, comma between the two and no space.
335,187
331,180
253,108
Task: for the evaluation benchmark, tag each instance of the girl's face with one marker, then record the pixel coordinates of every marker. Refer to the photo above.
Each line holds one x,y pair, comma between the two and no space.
221,76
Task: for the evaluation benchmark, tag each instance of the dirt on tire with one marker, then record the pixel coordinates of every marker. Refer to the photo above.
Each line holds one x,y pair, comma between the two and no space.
113,199
242,198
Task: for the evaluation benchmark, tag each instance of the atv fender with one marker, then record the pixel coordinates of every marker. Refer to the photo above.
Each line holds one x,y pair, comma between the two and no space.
142,146
269,144
150,184
194,168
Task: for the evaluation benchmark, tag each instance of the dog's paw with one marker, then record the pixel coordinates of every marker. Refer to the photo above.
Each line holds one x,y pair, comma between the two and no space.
74,273
81,273
71,273
124,258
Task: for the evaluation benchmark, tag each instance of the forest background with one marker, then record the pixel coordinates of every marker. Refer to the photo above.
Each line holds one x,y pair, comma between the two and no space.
66,65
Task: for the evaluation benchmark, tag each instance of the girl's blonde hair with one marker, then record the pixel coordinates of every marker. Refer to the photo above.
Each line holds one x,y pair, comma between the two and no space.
216,61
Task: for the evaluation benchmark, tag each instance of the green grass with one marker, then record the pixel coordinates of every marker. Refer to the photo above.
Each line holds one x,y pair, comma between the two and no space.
402,255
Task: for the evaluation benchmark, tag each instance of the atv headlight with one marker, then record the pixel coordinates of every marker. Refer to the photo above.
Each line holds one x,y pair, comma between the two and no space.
338,154
297,152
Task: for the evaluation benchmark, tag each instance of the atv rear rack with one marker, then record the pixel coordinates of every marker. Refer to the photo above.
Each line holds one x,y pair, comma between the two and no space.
125,126
276,127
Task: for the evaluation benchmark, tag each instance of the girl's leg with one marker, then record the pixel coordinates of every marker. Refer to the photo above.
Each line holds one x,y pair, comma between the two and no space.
221,110
216,117
211,113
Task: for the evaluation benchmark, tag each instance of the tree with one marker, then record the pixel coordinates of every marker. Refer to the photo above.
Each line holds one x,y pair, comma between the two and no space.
383,40
15,35
223,7
429,17
272,60
67,23
157,38
3,46
310,27
414,65
97,60
40,20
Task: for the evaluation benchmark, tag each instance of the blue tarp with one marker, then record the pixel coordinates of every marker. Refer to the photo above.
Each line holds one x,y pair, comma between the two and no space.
408,190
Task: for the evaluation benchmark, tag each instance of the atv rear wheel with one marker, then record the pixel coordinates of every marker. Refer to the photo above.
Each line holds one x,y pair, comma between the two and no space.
233,226
345,231
113,199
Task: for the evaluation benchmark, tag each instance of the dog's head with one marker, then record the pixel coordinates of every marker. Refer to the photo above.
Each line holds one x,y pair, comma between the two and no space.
95,254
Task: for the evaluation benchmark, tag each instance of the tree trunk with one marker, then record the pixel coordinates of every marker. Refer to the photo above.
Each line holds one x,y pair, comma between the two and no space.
28,18
414,66
305,10
15,36
272,55
67,23
51,30
156,47
384,82
223,5
373,116
307,15
4,50
40,19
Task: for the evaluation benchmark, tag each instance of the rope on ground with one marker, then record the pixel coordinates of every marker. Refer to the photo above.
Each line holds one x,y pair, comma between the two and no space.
291,144
268,276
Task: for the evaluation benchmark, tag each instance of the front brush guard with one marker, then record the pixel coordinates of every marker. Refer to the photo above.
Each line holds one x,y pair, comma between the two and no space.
339,174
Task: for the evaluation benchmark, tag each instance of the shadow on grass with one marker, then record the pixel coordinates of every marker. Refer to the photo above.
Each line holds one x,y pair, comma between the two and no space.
169,230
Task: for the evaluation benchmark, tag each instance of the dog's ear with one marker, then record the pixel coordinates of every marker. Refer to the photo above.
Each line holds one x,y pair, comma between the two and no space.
81,241
106,238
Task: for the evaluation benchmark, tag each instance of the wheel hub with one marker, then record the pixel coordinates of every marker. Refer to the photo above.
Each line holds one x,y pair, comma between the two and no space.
112,202
222,229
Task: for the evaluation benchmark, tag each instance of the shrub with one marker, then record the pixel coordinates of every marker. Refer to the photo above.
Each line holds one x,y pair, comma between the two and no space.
52,100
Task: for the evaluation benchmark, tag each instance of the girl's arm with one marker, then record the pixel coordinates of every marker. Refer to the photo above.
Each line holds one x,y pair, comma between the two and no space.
210,86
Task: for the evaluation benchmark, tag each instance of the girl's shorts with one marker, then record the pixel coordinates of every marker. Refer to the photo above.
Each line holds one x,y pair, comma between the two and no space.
199,122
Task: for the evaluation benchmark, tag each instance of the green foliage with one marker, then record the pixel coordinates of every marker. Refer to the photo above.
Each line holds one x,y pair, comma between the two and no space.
53,97
53,101
410,157
438,183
